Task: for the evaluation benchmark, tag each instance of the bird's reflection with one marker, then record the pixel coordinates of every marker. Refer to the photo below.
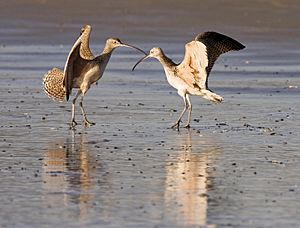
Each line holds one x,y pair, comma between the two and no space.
67,174
187,179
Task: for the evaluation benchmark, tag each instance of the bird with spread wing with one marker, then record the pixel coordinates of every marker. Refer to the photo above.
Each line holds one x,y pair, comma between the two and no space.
82,69
190,77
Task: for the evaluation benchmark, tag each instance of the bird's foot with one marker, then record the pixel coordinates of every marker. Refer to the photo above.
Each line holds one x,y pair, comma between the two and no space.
88,123
188,126
176,125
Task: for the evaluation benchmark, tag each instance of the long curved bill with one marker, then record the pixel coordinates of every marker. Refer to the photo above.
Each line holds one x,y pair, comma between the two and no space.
131,46
141,60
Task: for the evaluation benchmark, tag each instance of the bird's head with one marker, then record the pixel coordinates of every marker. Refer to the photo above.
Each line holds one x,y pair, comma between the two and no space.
85,28
155,52
113,43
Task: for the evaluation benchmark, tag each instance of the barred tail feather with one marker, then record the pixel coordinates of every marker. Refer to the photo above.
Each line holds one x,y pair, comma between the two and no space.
210,96
53,84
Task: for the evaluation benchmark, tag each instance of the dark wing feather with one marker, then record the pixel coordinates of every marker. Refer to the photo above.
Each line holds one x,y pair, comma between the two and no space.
217,44
69,67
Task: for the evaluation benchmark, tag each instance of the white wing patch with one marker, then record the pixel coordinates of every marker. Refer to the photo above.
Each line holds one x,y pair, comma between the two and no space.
194,63
198,61
199,53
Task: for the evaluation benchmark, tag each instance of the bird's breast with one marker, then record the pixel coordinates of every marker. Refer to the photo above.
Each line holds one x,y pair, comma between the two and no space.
174,80
92,74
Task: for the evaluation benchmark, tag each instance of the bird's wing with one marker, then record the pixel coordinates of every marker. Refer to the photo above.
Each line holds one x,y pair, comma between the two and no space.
201,54
74,55
192,68
85,51
217,44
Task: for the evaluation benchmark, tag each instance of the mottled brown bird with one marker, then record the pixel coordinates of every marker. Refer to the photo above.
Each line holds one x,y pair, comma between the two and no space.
190,77
81,70
53,80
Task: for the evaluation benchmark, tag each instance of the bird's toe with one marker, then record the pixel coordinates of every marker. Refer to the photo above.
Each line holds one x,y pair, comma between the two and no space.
88,123
187,126
175,126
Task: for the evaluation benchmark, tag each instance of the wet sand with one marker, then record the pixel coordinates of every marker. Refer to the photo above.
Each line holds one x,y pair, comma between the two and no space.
238,166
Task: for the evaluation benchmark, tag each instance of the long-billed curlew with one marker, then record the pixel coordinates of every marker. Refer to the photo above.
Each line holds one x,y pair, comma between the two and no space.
81,70
53,80
190,77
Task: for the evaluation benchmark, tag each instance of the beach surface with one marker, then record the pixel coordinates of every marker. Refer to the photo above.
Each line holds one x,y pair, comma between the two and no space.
238,165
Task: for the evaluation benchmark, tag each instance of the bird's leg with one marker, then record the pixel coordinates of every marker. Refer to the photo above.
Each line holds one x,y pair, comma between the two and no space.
73,122
86,122
190,111
177,123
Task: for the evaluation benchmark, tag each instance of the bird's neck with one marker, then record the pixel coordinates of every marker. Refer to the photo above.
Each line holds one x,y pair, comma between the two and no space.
106,54
165,61
107,50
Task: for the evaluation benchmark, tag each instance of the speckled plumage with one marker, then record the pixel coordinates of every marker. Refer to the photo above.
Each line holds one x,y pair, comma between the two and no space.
53,80
53,84
85,51
82,69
